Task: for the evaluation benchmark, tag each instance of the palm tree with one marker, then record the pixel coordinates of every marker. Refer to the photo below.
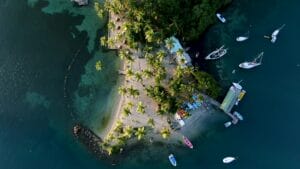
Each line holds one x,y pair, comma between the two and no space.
121,141
180,52
149,35
119,126
110,137
160,55
122,90
129,72
130,105
109,150
133,92
126,111
98,65
165,133
151,122
147,73
110,42
169,43
103,41
140,133
128,132
111,25
141,108
138,77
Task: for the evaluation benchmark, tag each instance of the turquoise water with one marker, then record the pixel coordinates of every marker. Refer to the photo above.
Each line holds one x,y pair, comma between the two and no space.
40,40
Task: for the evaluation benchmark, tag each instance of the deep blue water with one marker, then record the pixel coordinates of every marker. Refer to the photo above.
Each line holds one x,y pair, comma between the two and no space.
37,109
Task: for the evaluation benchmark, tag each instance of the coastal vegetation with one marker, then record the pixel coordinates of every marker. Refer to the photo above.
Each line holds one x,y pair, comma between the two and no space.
154,87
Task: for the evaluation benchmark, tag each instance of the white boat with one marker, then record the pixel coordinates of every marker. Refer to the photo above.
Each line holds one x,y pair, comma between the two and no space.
275,33
227,124
172,160
256,62
243,37
221,18
228,160
216,54
238,115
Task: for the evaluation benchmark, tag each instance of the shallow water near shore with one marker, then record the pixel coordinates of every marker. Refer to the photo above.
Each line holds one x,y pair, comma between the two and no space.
38,41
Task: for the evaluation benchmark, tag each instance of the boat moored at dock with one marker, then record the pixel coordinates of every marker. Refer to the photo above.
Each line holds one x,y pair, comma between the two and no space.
238,115
228,124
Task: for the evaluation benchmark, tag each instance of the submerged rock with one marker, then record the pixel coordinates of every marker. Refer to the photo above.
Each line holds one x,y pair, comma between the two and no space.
81,2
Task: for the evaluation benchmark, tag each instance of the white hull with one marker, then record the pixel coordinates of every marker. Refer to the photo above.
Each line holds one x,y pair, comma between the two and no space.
228,160
248,65
227,124
275,33
221,18
241,38
218,53
252,64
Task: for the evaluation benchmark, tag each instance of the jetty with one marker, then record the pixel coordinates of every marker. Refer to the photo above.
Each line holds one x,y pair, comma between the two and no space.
233,96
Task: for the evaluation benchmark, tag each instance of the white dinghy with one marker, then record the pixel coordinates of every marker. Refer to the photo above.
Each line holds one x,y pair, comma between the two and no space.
221,18
228,160
243,37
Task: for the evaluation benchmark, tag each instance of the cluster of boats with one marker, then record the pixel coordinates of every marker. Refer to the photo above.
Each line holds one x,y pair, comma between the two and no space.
189,144
257,61
217,54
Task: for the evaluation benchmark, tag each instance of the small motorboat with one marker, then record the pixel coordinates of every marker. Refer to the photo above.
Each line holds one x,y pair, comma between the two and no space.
216,54
243,37
275,33
228,160
221,18
256,62
187,142
172,160
227,124
238,115
241,96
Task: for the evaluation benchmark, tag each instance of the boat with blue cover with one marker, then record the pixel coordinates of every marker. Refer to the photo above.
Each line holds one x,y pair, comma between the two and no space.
172,160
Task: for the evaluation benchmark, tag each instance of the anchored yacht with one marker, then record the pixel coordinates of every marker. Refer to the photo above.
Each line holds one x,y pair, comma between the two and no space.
275,33
216,54
254,63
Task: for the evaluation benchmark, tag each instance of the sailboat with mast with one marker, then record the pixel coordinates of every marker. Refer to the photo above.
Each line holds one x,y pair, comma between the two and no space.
216,54
275,33
254,63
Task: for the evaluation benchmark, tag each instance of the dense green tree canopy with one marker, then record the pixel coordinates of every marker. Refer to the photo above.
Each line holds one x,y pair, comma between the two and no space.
154,20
